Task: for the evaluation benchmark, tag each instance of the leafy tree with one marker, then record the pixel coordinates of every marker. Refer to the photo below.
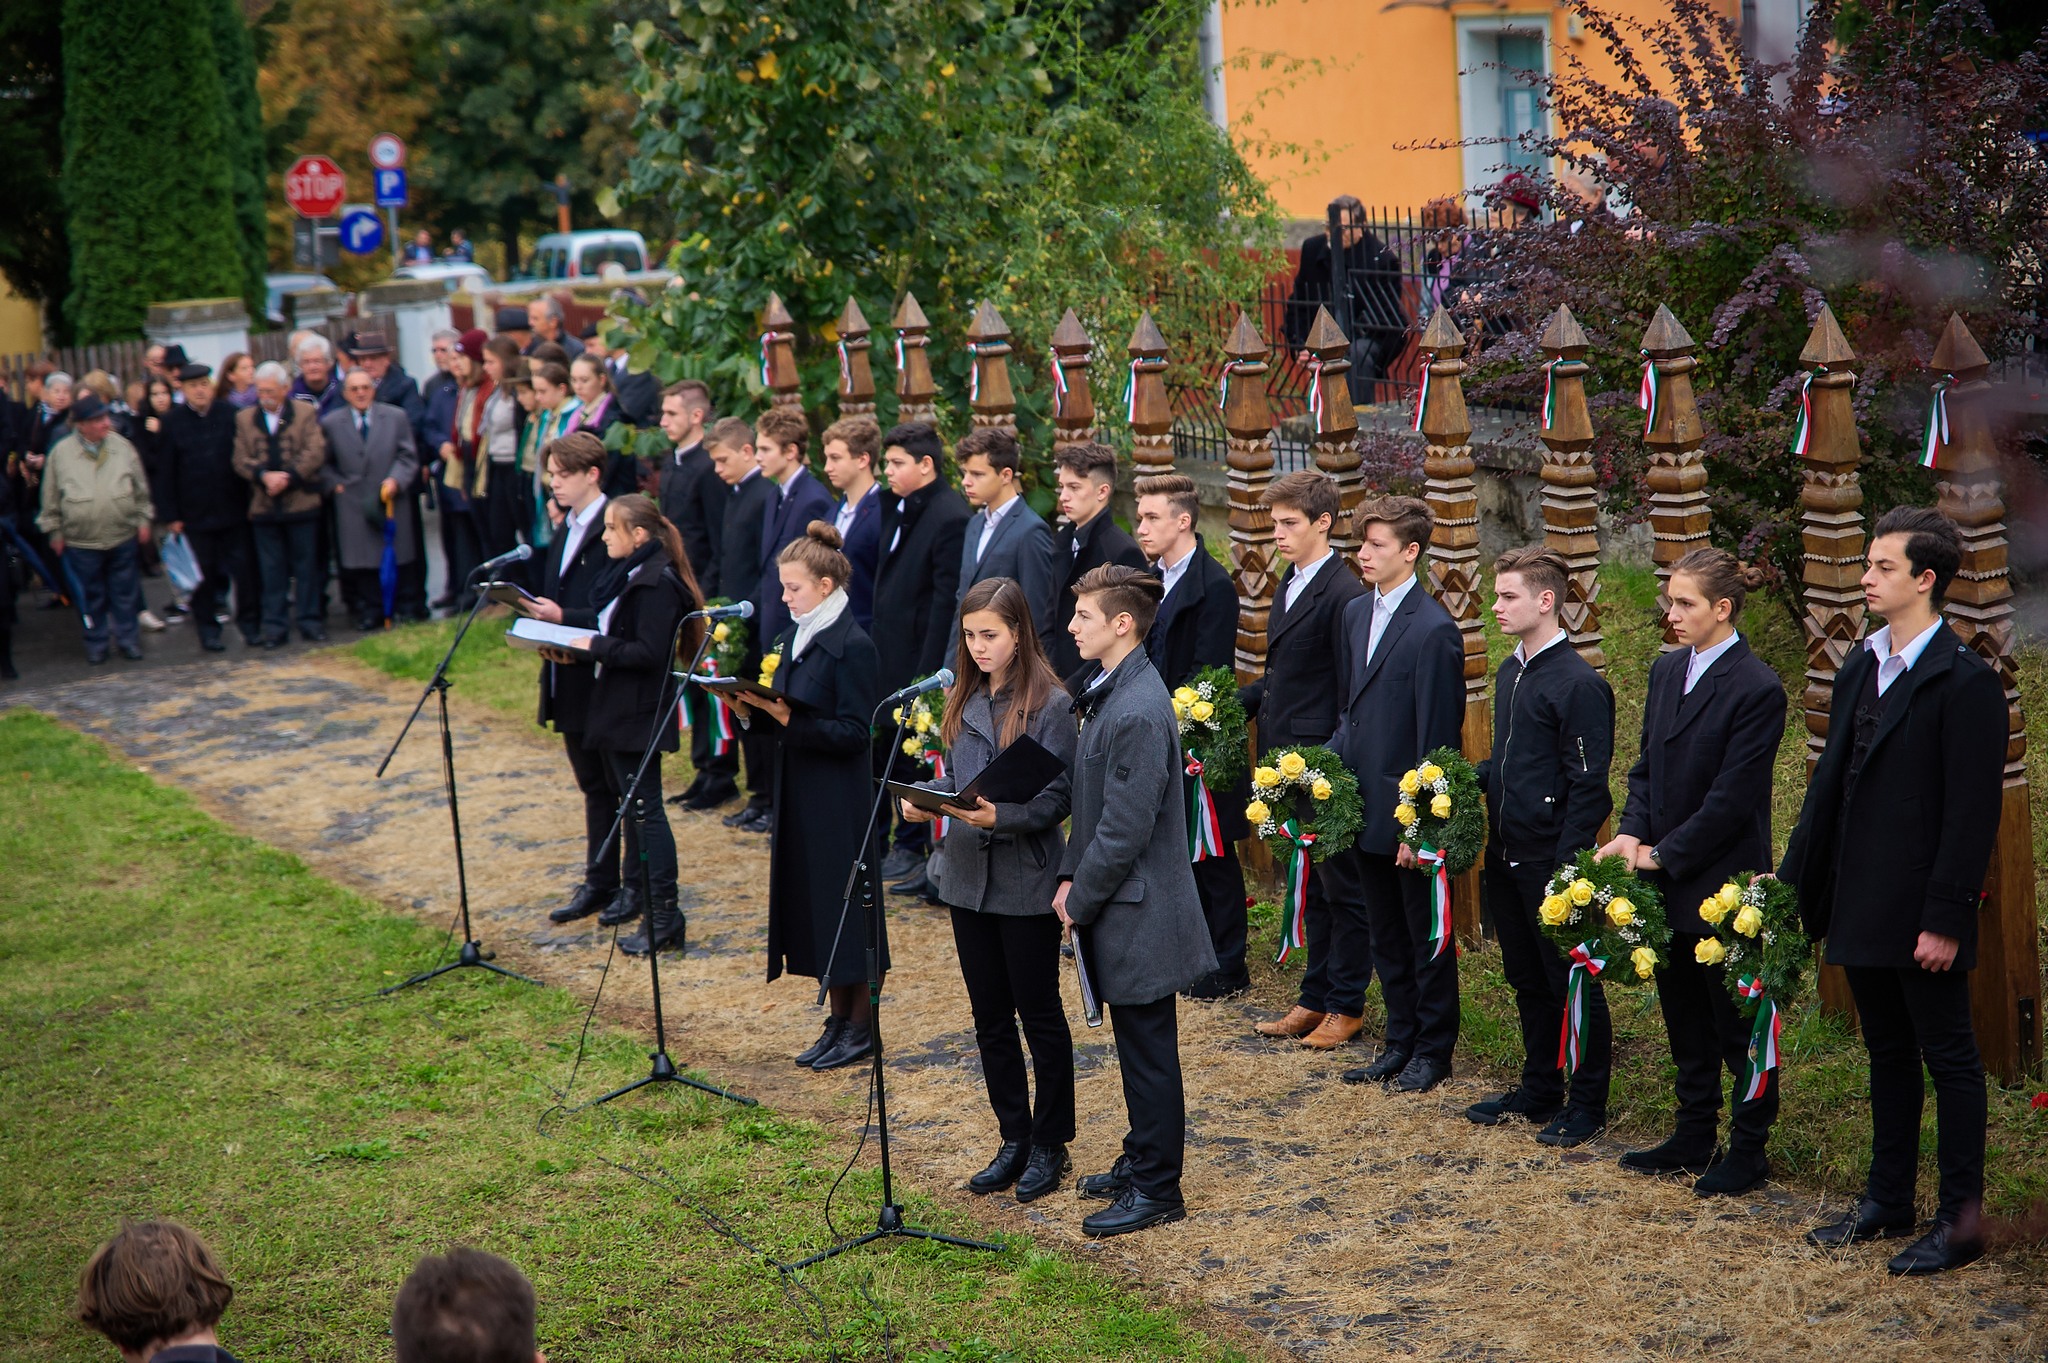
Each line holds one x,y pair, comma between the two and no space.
34,253
243,135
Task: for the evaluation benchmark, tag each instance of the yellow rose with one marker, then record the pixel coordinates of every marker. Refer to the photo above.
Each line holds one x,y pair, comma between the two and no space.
1321,790
1257,812
896,715
1292,764
771,662
1430,773
1411,782
1404,813
720,632
1265,778
1202,710
1730,896
1581,892
1184,694
1620,912
1440,805
1710,951
1645,962
1555,910
1713,910
910,748
1749,922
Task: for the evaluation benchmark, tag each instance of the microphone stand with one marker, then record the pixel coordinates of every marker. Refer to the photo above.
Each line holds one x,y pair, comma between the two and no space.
663,1070
865,880
472,956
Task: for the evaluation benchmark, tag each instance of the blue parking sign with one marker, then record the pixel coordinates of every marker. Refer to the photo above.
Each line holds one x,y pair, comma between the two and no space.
391,187
361,232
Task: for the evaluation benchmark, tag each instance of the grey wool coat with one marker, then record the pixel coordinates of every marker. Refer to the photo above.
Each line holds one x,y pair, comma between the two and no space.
359,470
1014,867
1133,894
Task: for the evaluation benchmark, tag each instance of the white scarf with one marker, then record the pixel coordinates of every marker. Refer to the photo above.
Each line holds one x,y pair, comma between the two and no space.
811,623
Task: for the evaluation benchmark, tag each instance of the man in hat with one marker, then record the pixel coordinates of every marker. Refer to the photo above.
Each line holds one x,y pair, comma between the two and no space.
395,388
96,511
207,502
372,466
512,322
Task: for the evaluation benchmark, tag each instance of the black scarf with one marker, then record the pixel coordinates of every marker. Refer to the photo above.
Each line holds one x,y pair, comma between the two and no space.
611,579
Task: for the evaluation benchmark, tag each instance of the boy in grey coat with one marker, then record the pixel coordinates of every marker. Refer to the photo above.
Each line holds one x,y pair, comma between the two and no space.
1127,890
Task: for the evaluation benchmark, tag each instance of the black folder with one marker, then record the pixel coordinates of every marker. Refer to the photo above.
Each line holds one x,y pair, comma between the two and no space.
728,685
1018,774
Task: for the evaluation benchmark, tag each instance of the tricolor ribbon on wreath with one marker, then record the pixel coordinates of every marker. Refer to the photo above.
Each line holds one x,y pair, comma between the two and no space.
1422,393
1550,392
1763,1037
1205,832
1802,435
1586,968
1439,898
716,714
767,367
1646,396
1295,930
1936,439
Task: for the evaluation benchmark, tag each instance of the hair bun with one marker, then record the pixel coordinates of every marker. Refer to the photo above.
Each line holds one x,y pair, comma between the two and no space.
825,533
1754,575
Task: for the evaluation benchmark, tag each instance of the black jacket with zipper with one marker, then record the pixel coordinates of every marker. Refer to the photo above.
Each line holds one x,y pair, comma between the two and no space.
1553,739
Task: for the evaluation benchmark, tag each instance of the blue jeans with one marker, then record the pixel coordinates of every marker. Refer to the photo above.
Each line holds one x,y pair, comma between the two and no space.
288,552
111,583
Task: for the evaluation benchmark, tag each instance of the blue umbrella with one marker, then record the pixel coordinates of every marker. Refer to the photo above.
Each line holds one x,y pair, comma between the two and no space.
387,567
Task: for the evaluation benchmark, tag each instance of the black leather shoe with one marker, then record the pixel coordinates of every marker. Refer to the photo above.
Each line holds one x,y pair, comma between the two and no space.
95,658
1132,1211
697,784
743,814
833,1026
919,884
660,931
213,645
1738,1173
1938,1251
1379,1071
1109,1186
315,635
900,862
854,1044
582,904
1421,1075
1515,1104
131,653
1866,1220
761,821
1003,1170
624,908
1573,1126
1049,1165
1679,1155
711,795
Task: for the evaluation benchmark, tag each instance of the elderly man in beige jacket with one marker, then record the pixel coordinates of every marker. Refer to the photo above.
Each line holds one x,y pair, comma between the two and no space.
96,511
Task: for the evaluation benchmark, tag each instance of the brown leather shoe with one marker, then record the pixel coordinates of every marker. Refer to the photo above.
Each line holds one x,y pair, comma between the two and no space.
1298,1022
1336,1029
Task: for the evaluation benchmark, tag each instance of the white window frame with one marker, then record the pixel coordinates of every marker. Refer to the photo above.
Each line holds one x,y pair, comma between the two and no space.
1472,93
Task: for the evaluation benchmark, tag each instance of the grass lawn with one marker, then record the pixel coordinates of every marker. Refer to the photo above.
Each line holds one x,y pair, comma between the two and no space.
171,1045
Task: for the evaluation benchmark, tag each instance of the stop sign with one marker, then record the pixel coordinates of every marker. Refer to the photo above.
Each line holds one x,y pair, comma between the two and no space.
314,187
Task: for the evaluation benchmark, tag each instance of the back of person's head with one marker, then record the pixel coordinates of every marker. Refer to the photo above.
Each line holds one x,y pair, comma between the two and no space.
1312,493
919,440
1932,543
730,433
1119,590
464,1306
154,1281
999,447
547,352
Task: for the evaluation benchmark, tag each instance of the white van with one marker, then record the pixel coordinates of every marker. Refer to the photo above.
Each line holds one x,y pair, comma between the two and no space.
586,256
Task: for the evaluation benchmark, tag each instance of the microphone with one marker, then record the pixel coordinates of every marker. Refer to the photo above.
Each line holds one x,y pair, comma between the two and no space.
742,611
519,555
935,682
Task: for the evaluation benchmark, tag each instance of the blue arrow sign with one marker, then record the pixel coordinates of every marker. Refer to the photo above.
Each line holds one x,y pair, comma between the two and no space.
361,232
391,187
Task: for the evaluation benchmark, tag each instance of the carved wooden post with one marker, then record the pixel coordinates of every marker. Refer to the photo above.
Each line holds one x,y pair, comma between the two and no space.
2005,989
1073,401
778,355
1452,494
1249,420
915,393
856,372
1336,440
988,392
1146,406
1571,508
1672,430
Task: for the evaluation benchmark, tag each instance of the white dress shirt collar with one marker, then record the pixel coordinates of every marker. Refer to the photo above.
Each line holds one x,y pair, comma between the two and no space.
579,526
1305,573
1557,638
1172,573
1392,600
1893,665
1697,663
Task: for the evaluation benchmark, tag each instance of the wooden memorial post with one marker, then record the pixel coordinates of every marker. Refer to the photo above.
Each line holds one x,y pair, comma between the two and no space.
1146,406
856,370
988,386
1452,494
916,395
1672,430
2005,988
1249,420
1073,401
1336,438
1571,507
778,356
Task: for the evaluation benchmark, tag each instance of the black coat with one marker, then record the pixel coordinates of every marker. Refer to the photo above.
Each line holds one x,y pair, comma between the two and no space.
1378,323
1099,542
1909,851
822,793
632,691
863,549
739,547
1196,629
784,517
1553,741
200,486
639,397
564,687
1404,704
1700,791
398,390
1294,702
694,498
917,581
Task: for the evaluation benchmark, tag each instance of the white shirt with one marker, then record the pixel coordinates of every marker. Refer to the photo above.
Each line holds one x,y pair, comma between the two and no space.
1697,663
1384,604
842,520
1303,575
1890,665
1557,638
579,524
269,420
1172,573
995,516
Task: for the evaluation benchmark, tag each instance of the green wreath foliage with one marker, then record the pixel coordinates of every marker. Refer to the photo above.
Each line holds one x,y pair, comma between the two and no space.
1213,726
1582,903
1310,785
1756,924
1445,781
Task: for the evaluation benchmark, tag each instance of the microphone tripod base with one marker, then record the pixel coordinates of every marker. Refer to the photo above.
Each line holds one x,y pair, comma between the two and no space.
471,957
891,1223
665,1072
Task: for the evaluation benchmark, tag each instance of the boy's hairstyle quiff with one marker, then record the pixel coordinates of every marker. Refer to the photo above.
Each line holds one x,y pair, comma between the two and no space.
1087,460
1311,493
1124,591
1541,568
1409,518
997,446
1179,490
785,426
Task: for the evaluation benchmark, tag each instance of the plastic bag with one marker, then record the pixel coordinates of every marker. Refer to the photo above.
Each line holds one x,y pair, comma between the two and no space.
180,564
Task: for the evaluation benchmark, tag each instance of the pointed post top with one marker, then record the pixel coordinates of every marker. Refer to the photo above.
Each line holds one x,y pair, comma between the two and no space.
988,324
1325,338
1146,338
1563,336
909,316
1666,336
1442,336
1070,335
1958,353
1825,344
852,321
775,317
1246,343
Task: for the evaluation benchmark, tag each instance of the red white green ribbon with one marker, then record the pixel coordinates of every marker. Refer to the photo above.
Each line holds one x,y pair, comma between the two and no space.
1059,386
1936,439
1763,1037
845,372
899,361
938,760
1223,384
1550,392
1205,831
1131,392
716,713
1316,404
973,373
1586,968
767,369
1802,437
1422,393
1646,396
1439,898
1294,931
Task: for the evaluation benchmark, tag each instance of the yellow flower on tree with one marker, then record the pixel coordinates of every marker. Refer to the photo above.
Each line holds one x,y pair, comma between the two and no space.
1440,805
1581,892
1202,710
1645,961
1620,912
1411,782
1555,910
1430,773
1265,778
1321,790
1292,764
768,66
1404,813
1257,812
1710,951
1750,921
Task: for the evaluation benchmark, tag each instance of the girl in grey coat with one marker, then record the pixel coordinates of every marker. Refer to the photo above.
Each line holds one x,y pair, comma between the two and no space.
997,867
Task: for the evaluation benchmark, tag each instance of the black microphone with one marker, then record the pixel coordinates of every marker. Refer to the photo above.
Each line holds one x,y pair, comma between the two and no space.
742,611
936,681
519,555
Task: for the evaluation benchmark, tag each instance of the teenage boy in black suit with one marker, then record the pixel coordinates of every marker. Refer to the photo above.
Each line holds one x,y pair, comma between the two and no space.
749,496
1007,538
1295,704
1889,858
780,436
1546,797
1698,812
693,497
1197,629
850,447
1401,686
1089,539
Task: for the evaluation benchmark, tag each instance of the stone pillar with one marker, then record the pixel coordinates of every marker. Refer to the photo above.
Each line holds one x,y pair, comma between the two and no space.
1336,437
778,356
988,392
409,311
2005,988
210,329
1073,401
1249,420
1672,430
314,308
856,372
1571,506
916,395
1146,406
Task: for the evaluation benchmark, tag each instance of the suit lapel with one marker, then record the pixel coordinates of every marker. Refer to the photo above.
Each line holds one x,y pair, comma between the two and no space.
1935,659
1691,707
1396,627
1302,606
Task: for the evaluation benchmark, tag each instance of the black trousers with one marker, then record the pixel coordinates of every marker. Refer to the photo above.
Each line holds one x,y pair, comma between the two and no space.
1421,993
461,550
703,723
1911,1016
362,591
288,555
1340,953
1011,965
411,600
758,747
1707,1035
646,824
504,507
1148,1054
600,807
1220,883
227,559
1538,973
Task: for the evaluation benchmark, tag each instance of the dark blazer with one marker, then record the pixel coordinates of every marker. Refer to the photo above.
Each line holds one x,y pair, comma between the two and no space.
917,582
397,389
1700,791
1294,702
1908,851
631,691
1407,702
783,519
739,548
863,548
200,485
1075,550
1021,548
565,687
1196,628
693,496
639,396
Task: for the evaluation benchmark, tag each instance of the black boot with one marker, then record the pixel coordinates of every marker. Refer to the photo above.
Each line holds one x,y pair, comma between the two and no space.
826,1039
1003,1170
624,908
856,1043
586,901
664,927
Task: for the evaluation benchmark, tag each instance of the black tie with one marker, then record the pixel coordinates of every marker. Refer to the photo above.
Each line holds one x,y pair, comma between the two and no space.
363,426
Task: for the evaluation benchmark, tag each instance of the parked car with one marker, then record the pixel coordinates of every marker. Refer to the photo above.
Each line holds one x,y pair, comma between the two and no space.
457,276
278,285
588,255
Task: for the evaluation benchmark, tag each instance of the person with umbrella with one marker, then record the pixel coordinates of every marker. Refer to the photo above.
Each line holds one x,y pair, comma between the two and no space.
373,460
